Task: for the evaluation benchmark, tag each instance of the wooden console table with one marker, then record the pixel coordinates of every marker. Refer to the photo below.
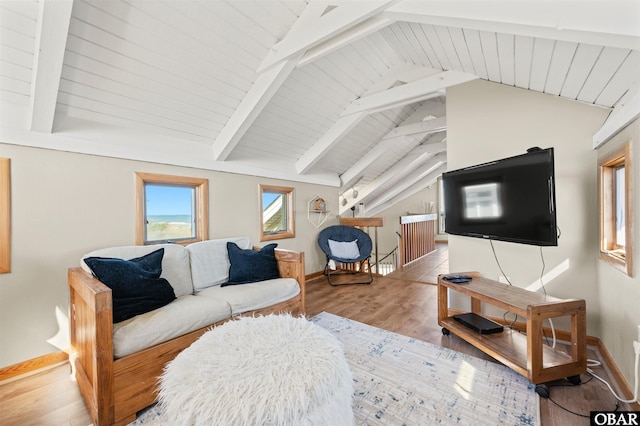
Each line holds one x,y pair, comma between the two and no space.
524,353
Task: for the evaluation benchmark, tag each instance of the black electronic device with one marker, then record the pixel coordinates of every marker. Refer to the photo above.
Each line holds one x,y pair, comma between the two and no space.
478,323
511,199
458,278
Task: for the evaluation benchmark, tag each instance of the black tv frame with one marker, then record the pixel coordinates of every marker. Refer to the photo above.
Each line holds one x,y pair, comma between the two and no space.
522,190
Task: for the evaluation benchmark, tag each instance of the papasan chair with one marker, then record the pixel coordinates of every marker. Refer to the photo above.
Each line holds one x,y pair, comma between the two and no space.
349,245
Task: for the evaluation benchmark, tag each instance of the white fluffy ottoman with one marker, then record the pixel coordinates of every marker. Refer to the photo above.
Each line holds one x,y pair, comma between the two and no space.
271,370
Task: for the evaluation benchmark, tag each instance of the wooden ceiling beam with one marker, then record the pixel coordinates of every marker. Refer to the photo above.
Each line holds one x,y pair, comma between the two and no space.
627,110
345,38
265,86
408,181
422,127
317,24
610,23
415,91
428,180
357,169
54,17
321,147
396,172
321,21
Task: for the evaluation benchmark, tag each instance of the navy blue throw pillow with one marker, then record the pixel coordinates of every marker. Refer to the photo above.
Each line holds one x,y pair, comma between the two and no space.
136,286
250,266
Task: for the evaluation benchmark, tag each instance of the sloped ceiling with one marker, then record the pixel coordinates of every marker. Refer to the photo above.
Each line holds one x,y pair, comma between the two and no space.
349,93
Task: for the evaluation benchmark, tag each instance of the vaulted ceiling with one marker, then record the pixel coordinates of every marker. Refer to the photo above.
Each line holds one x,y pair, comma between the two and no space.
344,93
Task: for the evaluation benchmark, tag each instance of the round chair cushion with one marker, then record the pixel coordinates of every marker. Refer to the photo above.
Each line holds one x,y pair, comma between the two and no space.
345,234
267,370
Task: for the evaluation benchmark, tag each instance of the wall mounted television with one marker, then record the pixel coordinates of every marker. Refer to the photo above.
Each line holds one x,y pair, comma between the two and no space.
510,199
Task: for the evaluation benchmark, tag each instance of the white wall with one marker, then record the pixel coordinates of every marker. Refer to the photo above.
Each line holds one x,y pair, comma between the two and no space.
620,294
487,121
66,204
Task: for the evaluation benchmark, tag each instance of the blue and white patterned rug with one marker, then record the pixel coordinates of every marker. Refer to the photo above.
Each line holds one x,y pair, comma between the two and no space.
400,380
405,381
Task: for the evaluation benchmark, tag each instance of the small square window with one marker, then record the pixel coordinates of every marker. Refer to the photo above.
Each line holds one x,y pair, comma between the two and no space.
171,209
5,215
276,213
620,206
169,212
616,209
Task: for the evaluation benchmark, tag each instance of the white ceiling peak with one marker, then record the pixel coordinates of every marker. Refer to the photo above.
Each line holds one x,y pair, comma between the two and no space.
51,39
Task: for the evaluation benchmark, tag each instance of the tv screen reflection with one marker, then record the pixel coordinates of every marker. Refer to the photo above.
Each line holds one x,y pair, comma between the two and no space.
482,202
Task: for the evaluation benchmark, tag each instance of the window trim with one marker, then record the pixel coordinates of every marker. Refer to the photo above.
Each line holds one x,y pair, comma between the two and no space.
201,187
5,215
441,213
606,193
290,232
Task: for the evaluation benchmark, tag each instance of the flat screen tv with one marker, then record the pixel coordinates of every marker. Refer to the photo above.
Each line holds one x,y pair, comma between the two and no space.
510,199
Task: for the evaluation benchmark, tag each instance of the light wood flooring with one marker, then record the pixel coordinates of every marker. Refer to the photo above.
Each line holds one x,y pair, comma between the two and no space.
403,302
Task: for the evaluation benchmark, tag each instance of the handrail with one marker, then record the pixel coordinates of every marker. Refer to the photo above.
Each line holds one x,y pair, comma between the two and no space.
379,263
388,254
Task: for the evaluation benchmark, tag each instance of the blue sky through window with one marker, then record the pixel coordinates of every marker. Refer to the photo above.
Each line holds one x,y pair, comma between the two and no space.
168,200
268,197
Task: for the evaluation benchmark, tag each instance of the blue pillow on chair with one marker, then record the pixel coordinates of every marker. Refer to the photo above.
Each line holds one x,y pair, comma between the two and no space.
136,286
250,266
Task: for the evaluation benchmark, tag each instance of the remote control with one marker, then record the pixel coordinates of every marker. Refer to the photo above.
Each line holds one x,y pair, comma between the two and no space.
453,278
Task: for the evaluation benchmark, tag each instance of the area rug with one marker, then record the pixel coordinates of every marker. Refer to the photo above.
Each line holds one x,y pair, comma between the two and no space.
400,380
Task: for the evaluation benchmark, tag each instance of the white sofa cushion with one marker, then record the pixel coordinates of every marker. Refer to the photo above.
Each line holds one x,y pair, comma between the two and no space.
183,315
210,261
248,297
175,263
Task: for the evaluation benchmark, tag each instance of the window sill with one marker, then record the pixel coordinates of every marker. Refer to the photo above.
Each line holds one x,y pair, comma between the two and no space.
277,236
617,260
182,242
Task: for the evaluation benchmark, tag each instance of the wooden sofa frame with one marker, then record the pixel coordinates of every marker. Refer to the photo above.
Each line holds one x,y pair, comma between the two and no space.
114,390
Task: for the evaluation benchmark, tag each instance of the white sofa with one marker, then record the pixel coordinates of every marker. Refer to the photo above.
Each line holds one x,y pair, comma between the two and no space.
117,365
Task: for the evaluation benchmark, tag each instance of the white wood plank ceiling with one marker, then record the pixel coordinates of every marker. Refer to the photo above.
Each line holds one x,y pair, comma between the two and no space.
344,93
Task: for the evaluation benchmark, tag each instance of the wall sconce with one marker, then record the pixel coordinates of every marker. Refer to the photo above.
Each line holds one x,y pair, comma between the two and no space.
355,193
344,200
